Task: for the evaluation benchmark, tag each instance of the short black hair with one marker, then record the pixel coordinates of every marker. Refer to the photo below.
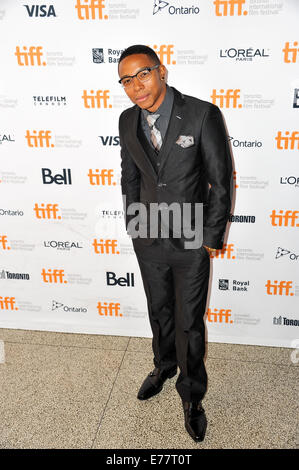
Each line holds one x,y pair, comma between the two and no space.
140,49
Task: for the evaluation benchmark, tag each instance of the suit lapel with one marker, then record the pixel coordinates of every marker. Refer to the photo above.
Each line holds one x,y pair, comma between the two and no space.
173,131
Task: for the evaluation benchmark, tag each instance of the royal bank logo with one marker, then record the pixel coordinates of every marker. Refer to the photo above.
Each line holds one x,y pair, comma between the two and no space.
223,284
243,55
57,305
98,56
160,5
237,286
110,56
282,252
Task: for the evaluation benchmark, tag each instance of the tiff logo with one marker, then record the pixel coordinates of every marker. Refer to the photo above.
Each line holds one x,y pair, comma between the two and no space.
288,142
92,11
103,178
3,243
287,219
98,100
222,315
290,53
235,7
48,212
165,52
228,99
225,252
111,310
8,303
281,288
53,277
103,247
33,57
41,140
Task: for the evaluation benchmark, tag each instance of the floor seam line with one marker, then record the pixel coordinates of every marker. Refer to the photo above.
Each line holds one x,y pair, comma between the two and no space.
109,396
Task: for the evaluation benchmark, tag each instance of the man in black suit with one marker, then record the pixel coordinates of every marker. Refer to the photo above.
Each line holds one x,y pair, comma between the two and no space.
174,149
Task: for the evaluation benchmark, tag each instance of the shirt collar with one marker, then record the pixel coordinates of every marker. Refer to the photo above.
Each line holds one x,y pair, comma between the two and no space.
166,105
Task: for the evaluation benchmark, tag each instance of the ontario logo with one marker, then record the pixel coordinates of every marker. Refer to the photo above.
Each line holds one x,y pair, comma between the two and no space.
160,5
56,305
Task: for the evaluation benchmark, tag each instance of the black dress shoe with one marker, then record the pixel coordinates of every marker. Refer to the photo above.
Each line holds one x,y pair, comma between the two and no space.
195,420
153,384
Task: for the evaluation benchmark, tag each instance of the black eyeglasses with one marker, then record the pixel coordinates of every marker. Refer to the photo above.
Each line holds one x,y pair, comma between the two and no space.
143,75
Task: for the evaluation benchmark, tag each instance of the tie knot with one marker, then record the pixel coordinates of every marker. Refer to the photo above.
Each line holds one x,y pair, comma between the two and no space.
152,118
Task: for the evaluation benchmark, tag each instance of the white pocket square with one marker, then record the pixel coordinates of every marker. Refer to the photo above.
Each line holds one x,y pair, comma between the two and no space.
185,141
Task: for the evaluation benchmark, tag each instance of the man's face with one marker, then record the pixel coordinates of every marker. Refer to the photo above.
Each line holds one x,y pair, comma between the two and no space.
147,95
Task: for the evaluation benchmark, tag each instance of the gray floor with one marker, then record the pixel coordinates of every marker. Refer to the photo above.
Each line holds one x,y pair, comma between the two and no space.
63,390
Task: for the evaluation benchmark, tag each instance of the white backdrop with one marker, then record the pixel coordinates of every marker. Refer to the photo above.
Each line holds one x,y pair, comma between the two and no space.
66,263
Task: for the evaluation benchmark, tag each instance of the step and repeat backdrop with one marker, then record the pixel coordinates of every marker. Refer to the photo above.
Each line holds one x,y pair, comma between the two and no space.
66,262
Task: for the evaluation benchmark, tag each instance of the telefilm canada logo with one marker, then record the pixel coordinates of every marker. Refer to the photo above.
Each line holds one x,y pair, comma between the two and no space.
174,8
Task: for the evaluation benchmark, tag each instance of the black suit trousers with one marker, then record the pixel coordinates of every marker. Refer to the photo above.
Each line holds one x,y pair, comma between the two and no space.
176,286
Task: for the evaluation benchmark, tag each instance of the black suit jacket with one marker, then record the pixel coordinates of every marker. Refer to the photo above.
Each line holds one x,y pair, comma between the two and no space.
199,173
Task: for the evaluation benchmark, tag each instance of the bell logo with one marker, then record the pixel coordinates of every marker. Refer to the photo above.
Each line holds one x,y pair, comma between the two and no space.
290,53
92,11
96,99
225,252
110,310
235,7
165,51
3,243
8,303
103,178
55,277
48,212
288,142
228,99
42,139
33,57
222,315
281,288
287,219
103,247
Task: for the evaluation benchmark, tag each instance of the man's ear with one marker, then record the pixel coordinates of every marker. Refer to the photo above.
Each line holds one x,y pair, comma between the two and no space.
163,73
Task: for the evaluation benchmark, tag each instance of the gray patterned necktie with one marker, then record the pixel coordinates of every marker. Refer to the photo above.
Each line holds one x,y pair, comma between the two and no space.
156,136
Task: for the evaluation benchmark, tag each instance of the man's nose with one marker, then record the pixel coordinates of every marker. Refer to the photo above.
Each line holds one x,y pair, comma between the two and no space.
137,84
